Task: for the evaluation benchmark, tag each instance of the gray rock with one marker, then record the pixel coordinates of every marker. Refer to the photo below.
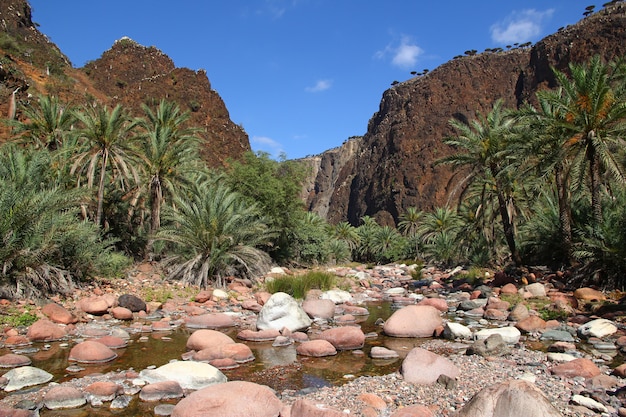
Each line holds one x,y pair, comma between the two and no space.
512,398
509,334
557,335
280,311
25,376
494,345
190,375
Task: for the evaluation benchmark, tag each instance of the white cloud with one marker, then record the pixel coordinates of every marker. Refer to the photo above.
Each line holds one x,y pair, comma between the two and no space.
266,144
320,85
403,55
520,27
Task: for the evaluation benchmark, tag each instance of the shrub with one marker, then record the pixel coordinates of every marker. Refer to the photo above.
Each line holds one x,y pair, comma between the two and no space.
298,286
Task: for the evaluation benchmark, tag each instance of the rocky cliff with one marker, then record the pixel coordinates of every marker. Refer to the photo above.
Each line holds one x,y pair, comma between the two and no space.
392,167
128,74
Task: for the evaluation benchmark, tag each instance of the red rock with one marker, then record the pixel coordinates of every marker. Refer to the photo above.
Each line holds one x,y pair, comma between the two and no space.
323,309
373,400
238,352
531,324
94,305
345,319
578,367
210,321
258,335
203,296
44,330
161,326
12,360
103,390
234,398
413,411
164,390
17,340
439,303
121,313
620,371
6,411
113,342
91,352
58,314
509,288
307,408
509,398
224,363
589,294
344,338
63,396
421,366
251,305
262,297
495,314
205,338
413,321
316,348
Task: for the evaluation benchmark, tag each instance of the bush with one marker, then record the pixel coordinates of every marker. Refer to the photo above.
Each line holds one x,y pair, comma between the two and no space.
298,286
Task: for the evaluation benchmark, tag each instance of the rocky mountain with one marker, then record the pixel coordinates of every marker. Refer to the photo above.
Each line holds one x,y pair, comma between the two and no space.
392,166
129,74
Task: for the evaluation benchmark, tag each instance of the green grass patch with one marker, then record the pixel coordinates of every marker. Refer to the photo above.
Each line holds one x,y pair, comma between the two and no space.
297,286
15,318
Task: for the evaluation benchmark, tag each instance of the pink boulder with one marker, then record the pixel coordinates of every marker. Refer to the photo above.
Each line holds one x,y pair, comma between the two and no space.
235,398
413,321
439,303
316,348
258,335
323,309
95,305
205,338
44,330
163,390
413,411
91,352
578,367
58,314
344,338
210,321
424,367
307,408
121,313
12,360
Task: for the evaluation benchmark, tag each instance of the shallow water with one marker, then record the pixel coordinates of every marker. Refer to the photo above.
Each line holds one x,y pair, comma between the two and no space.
278,367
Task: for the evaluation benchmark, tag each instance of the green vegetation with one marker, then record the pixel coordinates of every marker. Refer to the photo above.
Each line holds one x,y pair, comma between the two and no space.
297,286
86,190
15,318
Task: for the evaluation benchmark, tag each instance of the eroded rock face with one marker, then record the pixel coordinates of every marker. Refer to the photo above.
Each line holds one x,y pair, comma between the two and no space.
391,167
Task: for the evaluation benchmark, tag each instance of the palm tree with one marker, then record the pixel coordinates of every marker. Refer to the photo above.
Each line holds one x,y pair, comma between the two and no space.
347,233
408,225
105,143
168,152
482,146
546,143
594,108
47,122
215,233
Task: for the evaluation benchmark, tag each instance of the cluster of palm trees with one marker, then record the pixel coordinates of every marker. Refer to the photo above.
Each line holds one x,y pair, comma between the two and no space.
546,173
83,191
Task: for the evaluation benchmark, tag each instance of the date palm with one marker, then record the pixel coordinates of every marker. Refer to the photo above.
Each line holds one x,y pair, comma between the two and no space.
168,154
104,146
481,156
548,149
47,122
215,233
593,105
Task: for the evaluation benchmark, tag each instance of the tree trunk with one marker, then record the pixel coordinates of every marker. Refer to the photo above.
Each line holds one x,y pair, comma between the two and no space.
103,166
509,232
156,198
565,213
594,173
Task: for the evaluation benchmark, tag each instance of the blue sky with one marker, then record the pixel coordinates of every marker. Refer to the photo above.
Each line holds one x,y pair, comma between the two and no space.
301,76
